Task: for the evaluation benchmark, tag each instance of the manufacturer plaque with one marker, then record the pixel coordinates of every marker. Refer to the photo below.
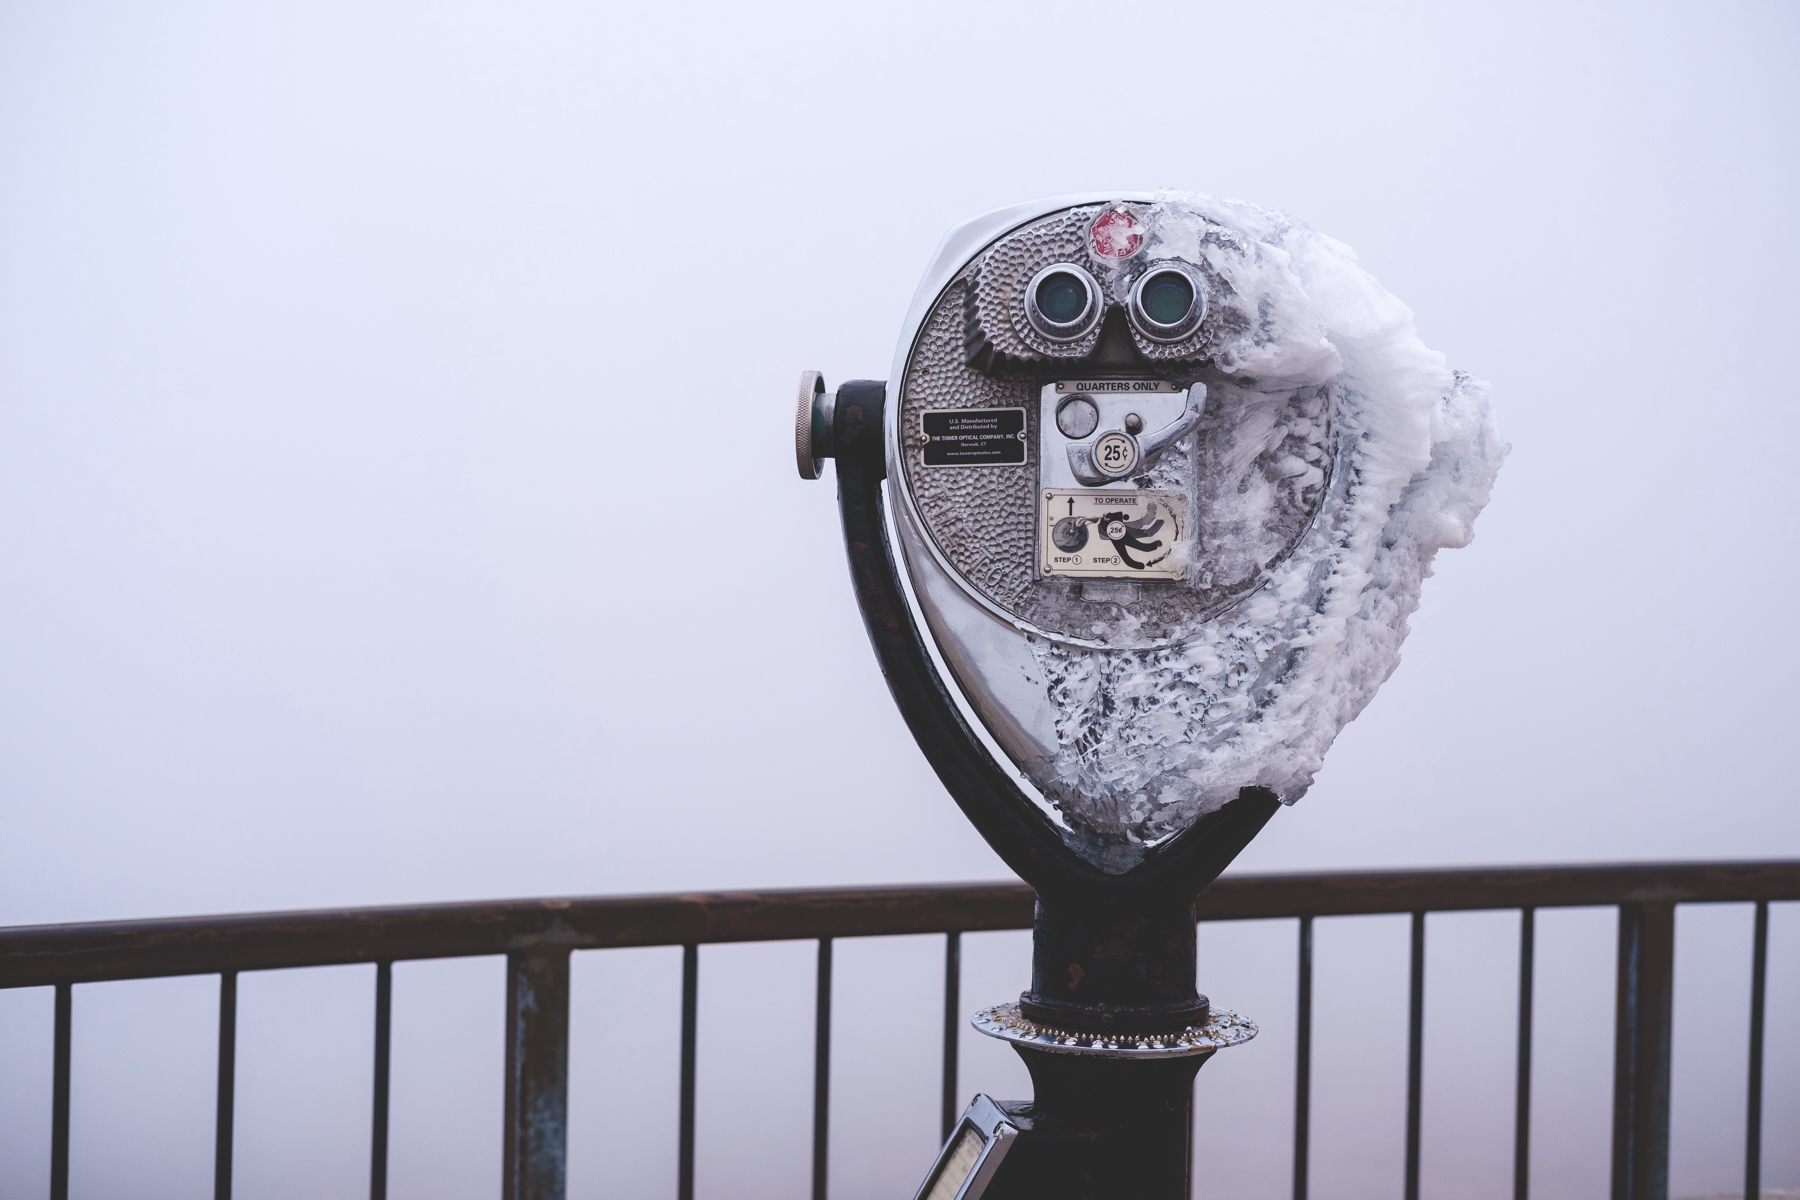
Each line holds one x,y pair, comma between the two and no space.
973,437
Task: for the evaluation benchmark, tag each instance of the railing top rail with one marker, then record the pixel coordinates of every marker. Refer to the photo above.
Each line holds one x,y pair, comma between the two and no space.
1464,889
35,955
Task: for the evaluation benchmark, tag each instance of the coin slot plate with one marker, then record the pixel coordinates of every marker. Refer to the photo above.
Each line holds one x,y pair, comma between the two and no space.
1155,402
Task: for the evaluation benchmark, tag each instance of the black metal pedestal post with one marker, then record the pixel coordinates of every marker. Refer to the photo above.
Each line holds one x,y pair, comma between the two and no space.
1113,964
1097,1127
1100,1129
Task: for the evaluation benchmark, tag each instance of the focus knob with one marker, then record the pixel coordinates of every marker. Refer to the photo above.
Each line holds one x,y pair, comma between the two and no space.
813,411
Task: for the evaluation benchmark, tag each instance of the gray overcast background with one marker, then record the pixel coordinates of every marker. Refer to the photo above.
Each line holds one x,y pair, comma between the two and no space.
397,504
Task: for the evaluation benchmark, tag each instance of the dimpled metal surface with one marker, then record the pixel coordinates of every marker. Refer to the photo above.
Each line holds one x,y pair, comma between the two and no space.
995,311
984,518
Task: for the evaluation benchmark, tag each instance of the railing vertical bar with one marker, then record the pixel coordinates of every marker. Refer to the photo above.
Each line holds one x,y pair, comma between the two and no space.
1522,1087
378,1132
822,1071
1415,1055
535,1166
952,1027
1640,1167
1193,1095
227,1088
1303,1060
59,1093
1759,972
690,1010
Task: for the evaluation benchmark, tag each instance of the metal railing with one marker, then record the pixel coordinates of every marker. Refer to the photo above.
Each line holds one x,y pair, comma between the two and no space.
537,936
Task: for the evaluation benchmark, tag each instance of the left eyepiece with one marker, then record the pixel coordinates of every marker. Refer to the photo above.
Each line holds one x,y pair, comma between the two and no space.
1062,302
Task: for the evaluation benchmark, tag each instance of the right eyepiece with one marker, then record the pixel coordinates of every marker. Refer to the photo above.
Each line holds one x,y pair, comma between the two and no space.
1168,302
1062,302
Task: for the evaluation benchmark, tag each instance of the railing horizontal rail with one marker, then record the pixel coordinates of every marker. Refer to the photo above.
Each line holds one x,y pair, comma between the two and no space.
39,955
1365,893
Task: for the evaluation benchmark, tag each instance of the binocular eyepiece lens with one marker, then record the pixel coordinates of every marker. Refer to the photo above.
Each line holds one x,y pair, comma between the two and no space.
1166,304
1062,302
1168,298
1061,297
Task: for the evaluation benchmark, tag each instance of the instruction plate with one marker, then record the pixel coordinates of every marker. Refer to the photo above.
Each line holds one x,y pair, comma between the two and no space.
1090,534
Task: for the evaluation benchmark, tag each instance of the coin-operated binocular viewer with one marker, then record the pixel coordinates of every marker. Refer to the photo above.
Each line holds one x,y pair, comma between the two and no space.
1136,525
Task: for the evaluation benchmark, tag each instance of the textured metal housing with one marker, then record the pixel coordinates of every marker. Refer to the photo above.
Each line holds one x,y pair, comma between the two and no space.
981,525
968,537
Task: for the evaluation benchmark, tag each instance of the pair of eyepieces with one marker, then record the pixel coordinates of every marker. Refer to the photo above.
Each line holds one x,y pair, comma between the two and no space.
1063,302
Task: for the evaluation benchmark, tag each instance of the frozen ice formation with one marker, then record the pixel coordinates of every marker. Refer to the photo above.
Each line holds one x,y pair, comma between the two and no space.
1148,740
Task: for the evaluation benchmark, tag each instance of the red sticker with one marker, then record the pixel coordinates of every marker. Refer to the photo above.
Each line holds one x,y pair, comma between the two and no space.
1116,234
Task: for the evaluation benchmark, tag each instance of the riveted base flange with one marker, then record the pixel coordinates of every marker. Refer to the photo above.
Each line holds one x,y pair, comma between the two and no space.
1221,1028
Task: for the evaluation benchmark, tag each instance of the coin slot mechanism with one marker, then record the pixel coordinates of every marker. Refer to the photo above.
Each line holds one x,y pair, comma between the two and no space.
1101,433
